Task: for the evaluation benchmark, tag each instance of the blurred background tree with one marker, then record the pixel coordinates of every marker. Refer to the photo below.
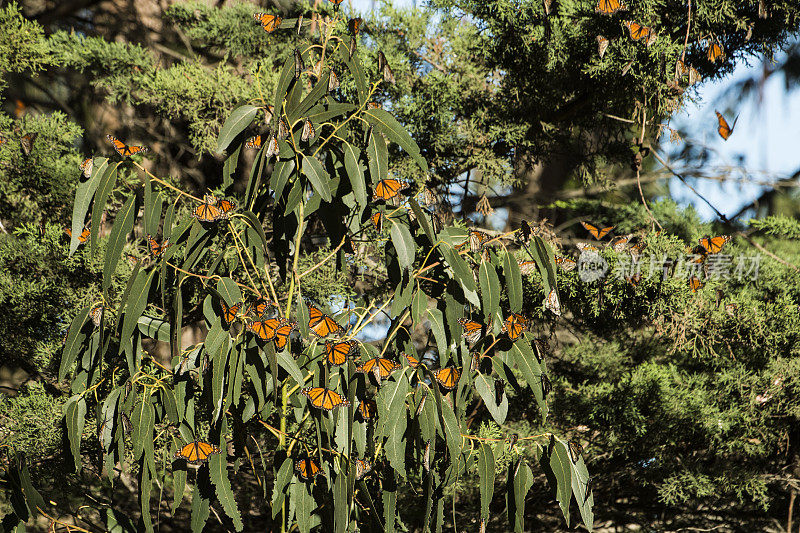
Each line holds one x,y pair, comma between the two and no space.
688,413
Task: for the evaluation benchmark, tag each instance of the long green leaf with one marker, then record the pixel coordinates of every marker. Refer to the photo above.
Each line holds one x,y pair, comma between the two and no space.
378,157
155,328
218,468
123,225
201,509
520,481
75,417
143,421
559,464
513,282
354,64
319,178
384,122
461,273
485,386
523,356
319,90
404,244
486,476
83,197
490,290
285,79
282,479
107,181
75,339
355,173
137,303
239,119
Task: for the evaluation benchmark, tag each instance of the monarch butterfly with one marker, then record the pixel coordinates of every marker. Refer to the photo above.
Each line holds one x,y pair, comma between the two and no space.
338,352
377,220
447,377
426,456
724,129
367,409
197,452
225,205
529,267
269,22
96,314
308,131
266,329
335,3
333,81
229,313
87,166
253,142
307,468
713,245
609,7
597,233
282,334
715,52
299,65
123,149
273,148
354,25
475,361
413,362
83,237
473,330
584,247
321,324
299,24
374,105
552,302
636,249
637,31
565,263
323,398
634,279
422,400
695,283
208,212
546,386
602,45
26,142
380,366
575,451
618,244
515,325
283,129
363,467
389,188
476,240
155,248
386,70
258,307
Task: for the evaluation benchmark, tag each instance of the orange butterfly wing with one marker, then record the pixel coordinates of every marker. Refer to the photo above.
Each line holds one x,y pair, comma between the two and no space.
447,377
197,452
229,313
715,52
597,233
123,149
515,325
473,330
307,468
321,324
207,213
323,398
385,366
609,7
253,142
377,220
723,128
388,189
695,283
265,329
282,334
226,205
269,22
714,244
367,409
412,361
338,352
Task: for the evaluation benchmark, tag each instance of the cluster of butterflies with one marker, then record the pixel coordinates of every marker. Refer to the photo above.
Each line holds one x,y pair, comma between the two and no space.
706,246
122,149
213,209
479,241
